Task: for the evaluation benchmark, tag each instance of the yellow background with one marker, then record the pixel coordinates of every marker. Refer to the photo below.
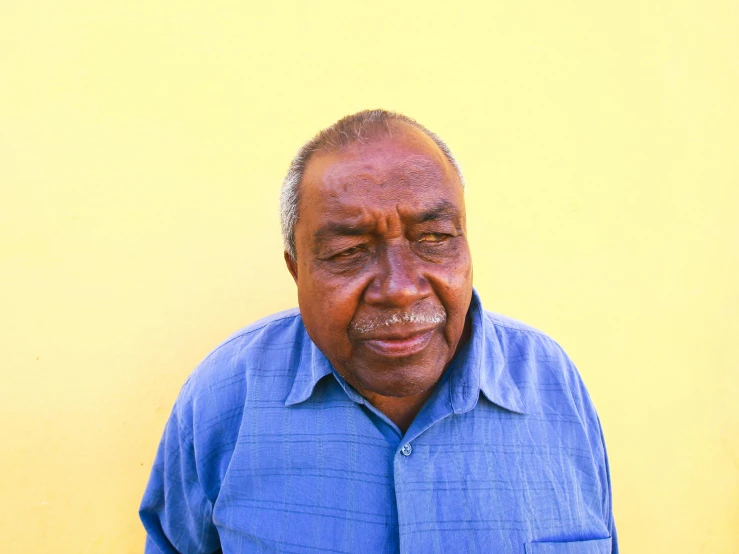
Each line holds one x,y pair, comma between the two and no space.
142,145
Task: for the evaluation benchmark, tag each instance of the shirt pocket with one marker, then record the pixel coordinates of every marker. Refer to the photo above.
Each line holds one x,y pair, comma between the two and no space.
598,546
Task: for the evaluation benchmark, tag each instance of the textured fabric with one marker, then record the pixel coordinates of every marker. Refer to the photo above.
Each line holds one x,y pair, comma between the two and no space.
268,449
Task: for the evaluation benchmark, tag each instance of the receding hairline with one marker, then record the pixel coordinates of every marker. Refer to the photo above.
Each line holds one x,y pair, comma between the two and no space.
403,130
336,139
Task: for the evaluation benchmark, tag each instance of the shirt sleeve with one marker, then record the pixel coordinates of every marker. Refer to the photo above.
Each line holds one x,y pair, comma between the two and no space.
594,430
175,511
608,500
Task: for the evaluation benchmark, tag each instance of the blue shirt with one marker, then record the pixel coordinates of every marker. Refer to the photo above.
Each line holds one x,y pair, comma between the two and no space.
268,449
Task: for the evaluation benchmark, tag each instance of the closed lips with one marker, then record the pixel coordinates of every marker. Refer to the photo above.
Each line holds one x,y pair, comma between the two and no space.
399,343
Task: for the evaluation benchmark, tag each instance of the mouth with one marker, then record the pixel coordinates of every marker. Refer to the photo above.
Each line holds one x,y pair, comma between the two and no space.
399,345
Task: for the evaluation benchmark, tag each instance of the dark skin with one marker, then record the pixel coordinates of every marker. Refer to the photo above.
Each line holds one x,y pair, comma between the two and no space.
383,266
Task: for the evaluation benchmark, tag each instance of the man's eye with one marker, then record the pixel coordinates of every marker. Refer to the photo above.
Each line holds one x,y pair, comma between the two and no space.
430,238
348,253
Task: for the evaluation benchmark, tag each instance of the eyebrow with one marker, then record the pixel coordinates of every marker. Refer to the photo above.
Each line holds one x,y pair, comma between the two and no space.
344,229
442,210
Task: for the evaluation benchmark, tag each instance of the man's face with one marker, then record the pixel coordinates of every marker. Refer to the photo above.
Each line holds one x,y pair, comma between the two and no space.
383,266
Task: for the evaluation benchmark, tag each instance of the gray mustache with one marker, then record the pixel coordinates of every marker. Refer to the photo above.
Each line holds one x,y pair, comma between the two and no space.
434,316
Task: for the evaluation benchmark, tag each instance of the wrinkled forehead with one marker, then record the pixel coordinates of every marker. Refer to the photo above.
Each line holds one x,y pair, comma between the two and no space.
382,168
407,160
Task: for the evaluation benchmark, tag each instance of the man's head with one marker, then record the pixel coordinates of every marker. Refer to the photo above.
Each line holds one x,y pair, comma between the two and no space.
375,238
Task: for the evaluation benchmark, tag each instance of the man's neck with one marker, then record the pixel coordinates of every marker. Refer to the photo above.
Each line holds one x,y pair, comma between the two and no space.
401,411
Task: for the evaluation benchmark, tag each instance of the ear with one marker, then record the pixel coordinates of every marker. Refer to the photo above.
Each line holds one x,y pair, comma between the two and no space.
292,266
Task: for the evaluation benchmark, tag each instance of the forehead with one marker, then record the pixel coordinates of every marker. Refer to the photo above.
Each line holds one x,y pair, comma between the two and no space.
402,172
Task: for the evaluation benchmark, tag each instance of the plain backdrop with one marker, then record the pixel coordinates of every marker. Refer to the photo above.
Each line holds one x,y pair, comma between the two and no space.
142,146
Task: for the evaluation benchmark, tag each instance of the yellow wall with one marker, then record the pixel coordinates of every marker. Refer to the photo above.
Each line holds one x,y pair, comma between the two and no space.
142,144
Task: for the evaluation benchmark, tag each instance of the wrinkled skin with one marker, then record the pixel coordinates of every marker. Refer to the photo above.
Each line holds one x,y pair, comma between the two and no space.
383,266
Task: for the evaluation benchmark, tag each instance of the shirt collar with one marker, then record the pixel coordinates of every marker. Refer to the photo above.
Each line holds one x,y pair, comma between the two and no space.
312,367
479,366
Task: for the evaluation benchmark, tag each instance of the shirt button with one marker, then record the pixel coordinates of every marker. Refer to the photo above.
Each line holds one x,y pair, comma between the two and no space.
406,450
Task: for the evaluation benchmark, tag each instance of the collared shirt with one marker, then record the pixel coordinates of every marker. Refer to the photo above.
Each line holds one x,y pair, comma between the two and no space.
268,449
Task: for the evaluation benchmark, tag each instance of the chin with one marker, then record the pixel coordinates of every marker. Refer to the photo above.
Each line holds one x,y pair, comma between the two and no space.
398,381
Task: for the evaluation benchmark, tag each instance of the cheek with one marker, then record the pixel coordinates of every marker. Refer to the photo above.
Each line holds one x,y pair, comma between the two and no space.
455,292
455,278
328,306
462,268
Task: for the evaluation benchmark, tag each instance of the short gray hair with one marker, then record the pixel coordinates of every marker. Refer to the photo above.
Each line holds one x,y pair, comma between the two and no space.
357,127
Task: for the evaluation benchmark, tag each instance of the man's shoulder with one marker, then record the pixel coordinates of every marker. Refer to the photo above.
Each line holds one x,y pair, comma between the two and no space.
543,372
276,332
277,322
500,320
267,345
532,357
510,332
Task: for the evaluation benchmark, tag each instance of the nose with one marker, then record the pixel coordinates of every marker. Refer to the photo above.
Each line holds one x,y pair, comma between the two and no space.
399,282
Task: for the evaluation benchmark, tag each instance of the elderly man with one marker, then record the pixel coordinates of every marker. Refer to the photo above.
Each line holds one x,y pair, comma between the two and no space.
391,413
